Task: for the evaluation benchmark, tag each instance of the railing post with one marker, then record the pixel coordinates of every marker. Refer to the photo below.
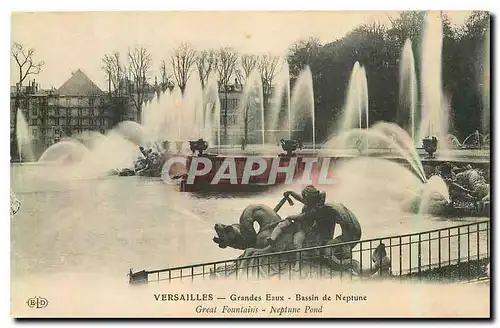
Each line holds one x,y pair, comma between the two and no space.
361,256
439,249
468,252
419,261
477,245
400,257
410,245
458,260
370,251
429,262
449,253
351,250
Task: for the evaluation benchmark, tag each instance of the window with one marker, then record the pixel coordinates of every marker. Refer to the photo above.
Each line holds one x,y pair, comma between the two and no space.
91,101
57,121
34,121
34,111
34,132
92,112
80,112
56,111
68,112
68,120
68,102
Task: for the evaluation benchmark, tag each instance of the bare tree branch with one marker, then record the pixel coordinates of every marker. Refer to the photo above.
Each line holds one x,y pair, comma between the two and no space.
226,65
246,65
183,58
206,63
268,67
165,75
140,63
24,60
115,72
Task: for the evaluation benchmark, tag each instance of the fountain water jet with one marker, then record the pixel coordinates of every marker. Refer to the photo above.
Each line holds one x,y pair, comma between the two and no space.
23,138
407,90
66,150
404,143
379,137
356,100
434,189
212,107
302,103
281,89
251,107
434,121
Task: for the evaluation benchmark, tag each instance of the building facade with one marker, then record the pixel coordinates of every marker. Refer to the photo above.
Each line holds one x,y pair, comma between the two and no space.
79,105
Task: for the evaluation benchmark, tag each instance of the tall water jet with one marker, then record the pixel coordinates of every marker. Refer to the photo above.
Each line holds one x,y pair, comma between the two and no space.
212,108
175,115
486,83
281,90
302,103
251,108
23,138
356,100
433,121
407,90
193,111
363,99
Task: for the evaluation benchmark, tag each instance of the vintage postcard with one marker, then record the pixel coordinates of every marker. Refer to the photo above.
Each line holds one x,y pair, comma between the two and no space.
200,165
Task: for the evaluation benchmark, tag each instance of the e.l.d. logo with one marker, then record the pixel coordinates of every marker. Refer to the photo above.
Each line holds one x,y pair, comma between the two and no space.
37,302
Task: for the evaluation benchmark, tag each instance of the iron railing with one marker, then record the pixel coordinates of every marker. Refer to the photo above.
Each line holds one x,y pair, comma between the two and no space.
454,253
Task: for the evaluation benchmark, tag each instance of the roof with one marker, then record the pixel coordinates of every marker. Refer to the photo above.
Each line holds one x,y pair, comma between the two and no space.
79,84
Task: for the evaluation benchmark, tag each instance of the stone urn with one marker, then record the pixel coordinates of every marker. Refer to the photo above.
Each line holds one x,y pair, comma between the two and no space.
199,146
290,146
178,146
430,146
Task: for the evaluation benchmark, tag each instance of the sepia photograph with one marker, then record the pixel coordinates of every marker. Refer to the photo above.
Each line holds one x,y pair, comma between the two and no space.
250,164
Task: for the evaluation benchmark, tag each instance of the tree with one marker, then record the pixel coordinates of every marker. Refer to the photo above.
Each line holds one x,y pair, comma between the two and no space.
165,76
140,63
25,63
114,70
183,59
301,54
26,66
226,68
268,68
245,67
206,63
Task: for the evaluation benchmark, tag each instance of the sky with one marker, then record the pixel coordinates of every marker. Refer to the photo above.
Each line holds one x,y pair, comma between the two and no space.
70,41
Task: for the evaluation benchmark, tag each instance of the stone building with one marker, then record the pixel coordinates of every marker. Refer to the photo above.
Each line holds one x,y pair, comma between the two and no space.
79,105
